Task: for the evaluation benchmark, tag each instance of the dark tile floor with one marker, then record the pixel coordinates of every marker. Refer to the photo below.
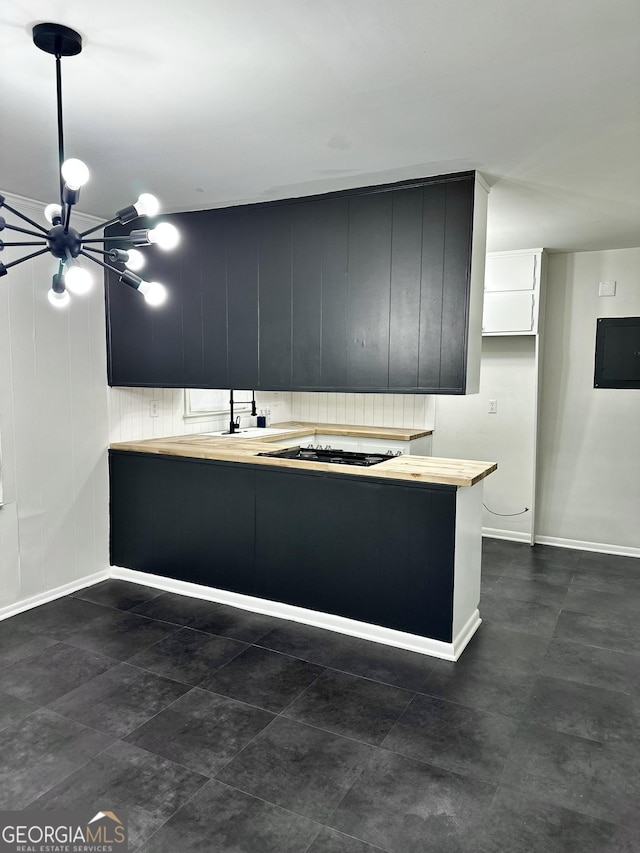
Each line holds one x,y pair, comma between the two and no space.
220,730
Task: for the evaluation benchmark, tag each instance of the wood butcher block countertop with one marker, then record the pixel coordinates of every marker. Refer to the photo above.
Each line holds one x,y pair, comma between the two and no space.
416,469
310,428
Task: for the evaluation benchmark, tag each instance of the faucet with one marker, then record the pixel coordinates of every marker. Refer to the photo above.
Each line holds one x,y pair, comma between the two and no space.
234,423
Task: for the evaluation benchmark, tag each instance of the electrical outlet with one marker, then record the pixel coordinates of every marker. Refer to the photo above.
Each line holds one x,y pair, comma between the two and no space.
153,409
493,407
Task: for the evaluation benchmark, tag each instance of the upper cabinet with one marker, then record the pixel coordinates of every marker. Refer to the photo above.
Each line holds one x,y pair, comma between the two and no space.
513,292
373,289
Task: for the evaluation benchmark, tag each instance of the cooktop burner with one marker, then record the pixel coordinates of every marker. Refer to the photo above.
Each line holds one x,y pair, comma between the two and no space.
330,455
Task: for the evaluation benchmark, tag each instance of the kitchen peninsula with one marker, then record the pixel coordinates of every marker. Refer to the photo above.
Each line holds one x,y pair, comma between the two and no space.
389,551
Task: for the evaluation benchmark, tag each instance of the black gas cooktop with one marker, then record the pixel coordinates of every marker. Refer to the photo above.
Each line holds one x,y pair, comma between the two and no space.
334,457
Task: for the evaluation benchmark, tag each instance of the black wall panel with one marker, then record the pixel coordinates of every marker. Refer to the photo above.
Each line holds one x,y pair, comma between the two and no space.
335,266
241,235
306,295
369,290
274,297
213,301
406,269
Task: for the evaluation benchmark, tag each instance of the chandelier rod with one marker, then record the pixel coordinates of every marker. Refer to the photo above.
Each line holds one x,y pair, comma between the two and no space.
32,243
60,126
26,258
126,238
21,230
97,251
105,224
101,263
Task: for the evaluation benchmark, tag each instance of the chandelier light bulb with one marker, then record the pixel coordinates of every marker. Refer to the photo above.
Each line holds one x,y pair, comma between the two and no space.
53,212
58,300
75,173
135,261
154,293
147,205
164,235
77,279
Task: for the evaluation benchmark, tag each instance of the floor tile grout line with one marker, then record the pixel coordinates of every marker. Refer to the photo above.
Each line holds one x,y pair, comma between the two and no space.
161,675
33,654
350,672
84,763
342,799
282,711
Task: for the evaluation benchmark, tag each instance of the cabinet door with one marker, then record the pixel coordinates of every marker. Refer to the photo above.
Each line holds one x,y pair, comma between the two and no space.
510,311
510,272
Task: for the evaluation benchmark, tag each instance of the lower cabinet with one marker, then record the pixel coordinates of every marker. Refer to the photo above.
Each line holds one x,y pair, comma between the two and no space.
371,550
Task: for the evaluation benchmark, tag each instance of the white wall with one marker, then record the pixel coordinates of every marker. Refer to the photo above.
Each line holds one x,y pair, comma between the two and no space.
54,425
589,439
589,483
464,429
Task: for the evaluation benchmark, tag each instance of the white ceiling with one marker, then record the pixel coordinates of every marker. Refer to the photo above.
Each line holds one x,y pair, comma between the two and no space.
210,103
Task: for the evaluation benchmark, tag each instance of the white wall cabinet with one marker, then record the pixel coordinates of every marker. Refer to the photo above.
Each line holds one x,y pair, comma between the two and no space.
513,292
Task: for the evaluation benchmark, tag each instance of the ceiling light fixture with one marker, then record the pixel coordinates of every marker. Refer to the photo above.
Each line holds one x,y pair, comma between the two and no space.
66,243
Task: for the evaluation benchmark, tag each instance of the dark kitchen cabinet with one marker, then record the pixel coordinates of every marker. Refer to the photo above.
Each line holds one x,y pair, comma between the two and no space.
363,290
377,551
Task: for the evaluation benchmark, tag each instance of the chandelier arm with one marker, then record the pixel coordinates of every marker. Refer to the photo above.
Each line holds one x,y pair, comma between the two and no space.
97,251
123,237
102,225
101,264
27,243
22,216
25,258
22,230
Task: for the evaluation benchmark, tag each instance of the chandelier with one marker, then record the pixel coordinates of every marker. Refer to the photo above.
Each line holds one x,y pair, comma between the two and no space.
66,243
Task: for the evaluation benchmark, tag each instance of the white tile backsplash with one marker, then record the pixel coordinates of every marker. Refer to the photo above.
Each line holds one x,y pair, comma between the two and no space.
398,410
129,411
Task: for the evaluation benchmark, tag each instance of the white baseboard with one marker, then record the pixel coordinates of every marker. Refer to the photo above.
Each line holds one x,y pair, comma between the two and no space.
511,535
50,595
340,624
466,633
576,544
599,547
